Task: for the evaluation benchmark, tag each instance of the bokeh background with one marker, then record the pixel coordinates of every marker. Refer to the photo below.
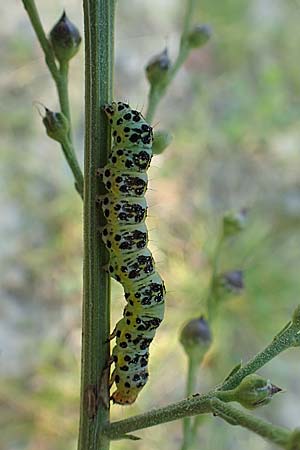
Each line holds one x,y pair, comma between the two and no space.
234,111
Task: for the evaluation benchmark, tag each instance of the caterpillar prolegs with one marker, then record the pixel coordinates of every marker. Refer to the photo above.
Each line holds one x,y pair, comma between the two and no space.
126,238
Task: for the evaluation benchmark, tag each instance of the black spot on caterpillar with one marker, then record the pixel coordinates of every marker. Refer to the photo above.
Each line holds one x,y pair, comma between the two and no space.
126,238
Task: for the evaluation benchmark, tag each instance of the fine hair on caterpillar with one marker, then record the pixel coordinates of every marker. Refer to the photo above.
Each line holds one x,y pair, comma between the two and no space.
126,237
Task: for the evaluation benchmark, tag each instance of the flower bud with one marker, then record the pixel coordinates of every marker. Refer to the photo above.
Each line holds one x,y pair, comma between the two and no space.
196,338
56,124
65,39
234,222
161,140
157,68
231,282
254,391
199,36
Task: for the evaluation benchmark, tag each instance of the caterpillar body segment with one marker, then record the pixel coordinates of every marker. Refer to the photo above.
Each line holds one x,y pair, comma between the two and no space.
124,211
126,238
121,183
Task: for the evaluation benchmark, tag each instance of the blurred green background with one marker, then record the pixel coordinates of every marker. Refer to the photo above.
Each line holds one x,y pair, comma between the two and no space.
234,110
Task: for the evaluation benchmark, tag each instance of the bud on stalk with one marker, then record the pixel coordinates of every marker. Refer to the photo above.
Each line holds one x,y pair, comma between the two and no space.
199,36
157,68
196,338
56,124
65,39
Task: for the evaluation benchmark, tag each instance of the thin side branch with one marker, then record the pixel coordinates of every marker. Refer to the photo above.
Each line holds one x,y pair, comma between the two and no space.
198,404
287,338
234,416
201,404
60,77
157,91
36,23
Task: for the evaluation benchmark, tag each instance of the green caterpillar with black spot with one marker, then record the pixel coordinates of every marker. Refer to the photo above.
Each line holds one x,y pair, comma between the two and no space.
126,238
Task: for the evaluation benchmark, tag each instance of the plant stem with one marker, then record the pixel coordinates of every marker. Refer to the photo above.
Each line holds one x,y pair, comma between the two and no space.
99,56
198,404
33,14
73,164
60,77
63,92
193,365
210,299
234,416
158,91
289,337
190,427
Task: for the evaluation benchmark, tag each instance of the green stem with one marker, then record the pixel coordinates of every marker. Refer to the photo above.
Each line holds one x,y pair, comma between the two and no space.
158,91
33,14
99,46
198,404
210,299
73,164
193,365
155,95
234,416
63,92
289,337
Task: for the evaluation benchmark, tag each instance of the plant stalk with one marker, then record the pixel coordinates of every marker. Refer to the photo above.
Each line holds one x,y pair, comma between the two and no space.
99,59
234,416
63,93
68,151
193,365
286,339
201,403
157,91
60,77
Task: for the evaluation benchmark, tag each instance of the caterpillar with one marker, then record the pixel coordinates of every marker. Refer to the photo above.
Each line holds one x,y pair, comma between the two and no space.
126,237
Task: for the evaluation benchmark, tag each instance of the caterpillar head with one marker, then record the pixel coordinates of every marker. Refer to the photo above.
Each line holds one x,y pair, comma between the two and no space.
128,125
125,398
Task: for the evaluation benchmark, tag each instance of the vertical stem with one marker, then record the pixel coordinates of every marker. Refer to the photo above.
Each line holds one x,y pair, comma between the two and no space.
210,299
99,45
63,92
190,388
